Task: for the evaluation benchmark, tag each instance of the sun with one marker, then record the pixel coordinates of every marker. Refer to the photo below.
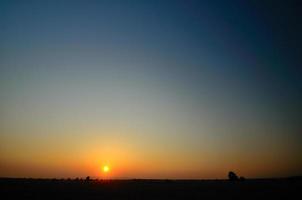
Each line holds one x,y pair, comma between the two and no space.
106,168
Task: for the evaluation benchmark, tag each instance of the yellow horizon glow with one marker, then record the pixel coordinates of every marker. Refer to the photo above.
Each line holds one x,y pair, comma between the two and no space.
130,157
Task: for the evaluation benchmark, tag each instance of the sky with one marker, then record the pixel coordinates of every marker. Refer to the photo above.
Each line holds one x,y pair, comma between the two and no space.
153,89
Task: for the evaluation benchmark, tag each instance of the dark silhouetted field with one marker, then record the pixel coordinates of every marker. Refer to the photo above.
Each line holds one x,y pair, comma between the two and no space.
150,189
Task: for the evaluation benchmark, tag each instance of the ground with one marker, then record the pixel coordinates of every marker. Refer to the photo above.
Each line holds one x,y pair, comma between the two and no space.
150,189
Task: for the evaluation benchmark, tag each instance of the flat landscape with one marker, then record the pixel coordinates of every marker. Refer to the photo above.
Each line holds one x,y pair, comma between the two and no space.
150,189
150,99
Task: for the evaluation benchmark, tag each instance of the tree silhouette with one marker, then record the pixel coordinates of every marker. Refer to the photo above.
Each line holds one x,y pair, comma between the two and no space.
232,176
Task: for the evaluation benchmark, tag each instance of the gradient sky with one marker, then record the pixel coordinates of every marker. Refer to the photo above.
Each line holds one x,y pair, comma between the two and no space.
154,89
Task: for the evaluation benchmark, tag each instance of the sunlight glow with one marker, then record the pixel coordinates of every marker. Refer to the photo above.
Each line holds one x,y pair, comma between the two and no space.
106,169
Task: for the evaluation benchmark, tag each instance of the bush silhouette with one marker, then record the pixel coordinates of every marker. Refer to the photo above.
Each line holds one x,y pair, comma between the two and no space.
87,178
232,176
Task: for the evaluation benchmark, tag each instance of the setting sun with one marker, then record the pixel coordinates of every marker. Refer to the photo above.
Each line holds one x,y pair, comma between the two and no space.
106,168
